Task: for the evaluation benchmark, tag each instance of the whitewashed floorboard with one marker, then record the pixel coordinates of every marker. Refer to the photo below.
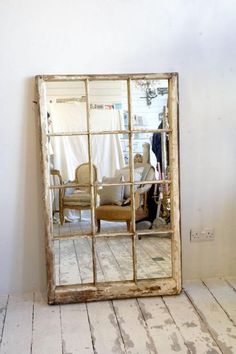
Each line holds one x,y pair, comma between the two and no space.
76,335
121,256
3,309
109,266
69,271
232,282
84,259
162,328
46,327
193,330
142,272
104,328
134,330
220,326
17,334
224,294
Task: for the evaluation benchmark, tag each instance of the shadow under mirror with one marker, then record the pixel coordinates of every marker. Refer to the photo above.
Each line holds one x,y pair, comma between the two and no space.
108,105
154,256
73,261
114,258
149,104
66,106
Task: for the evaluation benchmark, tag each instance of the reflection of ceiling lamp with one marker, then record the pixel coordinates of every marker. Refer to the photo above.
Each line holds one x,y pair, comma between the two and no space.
151,90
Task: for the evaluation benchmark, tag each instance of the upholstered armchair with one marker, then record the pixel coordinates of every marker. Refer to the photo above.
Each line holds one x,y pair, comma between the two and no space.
80,199
119,208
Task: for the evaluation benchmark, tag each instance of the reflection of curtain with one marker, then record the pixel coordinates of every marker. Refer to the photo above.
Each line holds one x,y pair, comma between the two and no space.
71,151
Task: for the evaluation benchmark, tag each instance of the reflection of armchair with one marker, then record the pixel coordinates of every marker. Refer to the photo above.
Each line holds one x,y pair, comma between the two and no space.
110,212
80,199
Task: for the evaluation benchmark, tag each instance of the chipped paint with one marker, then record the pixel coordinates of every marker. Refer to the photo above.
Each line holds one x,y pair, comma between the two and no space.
175,346
189,324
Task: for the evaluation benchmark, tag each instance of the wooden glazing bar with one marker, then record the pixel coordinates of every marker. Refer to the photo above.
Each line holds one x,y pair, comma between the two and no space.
114,290
131,164
174,157
139,76
155,232
75,185
91,172
103,132
115,234
84,235
45,161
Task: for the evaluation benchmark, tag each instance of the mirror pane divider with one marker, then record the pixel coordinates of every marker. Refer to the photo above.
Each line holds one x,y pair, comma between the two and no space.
43,128
75,185
159,76
102,132
131,168
91,182
175,195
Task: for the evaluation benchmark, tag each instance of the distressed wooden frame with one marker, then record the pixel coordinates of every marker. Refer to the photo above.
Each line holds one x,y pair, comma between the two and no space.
115,289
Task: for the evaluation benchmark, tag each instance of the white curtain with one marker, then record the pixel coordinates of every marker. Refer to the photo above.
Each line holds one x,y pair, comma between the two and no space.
71,151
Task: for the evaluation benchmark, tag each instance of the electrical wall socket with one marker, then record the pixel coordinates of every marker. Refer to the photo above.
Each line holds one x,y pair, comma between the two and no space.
195,235
206,234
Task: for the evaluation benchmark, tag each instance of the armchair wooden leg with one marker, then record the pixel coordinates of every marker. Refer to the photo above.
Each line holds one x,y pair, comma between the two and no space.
61,213
98,224
129,225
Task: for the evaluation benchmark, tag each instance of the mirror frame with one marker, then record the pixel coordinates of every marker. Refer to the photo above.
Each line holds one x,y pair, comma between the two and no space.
122,289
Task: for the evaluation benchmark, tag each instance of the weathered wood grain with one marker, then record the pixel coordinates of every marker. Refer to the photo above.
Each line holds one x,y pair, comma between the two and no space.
218,323
17,335
3,310
76,335
135,333
224,295
195,333
46,327
105,331
162,328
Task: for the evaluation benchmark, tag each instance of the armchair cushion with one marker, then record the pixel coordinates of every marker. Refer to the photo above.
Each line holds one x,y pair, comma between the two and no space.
112,194
78,198
125,172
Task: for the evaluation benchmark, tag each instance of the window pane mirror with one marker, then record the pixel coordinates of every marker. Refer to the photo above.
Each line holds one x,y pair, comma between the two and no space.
109,146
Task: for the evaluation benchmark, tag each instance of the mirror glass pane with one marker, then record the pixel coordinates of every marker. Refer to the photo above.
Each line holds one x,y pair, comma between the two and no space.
73,261
66,106
108,105
71,211
149,103
153,149
114,258
154,256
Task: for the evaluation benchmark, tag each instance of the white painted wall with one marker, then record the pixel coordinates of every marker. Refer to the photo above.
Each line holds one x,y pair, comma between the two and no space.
194,37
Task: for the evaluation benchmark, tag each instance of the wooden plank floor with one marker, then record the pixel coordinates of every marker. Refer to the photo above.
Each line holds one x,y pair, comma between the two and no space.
199,320
73,259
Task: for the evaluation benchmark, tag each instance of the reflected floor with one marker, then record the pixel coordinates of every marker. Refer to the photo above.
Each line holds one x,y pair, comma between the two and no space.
83,227
73,258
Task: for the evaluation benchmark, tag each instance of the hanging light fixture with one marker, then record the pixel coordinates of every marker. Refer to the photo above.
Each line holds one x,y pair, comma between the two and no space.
151,89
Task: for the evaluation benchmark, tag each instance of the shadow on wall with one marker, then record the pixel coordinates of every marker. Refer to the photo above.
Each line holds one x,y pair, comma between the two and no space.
30,258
